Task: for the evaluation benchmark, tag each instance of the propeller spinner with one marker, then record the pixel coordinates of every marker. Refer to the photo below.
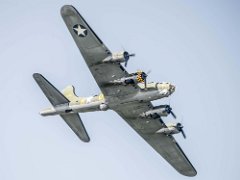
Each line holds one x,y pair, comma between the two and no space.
169,111
180,129
142,77
127,56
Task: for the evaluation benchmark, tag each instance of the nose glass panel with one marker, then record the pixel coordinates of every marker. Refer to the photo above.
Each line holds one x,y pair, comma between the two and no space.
163,86
172,88
166,87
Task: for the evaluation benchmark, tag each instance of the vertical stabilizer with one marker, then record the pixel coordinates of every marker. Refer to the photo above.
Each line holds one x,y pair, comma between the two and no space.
69,93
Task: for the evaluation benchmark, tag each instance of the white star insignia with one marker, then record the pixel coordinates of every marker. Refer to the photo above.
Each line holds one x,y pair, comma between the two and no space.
80,30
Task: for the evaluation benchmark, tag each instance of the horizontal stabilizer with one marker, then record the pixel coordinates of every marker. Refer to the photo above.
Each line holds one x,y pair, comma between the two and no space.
54,96
75,123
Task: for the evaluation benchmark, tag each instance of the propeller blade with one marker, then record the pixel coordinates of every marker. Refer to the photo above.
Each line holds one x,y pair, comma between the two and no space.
169,111
174,116
144,77
145,83
126,62
127,56
161,121
184,135
149,71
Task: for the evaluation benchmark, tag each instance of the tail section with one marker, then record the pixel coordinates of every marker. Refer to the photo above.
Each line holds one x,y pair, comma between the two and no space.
53,95
56,98
69,93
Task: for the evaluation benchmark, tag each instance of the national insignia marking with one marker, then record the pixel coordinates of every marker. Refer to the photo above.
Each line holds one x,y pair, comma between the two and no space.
80,30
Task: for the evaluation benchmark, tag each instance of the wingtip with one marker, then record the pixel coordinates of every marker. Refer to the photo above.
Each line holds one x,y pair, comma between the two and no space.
194,173
36,75
67,10
190,173
64,7
83,136
86,140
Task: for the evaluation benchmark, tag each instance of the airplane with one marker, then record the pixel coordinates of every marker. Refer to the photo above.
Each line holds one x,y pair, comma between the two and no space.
128,94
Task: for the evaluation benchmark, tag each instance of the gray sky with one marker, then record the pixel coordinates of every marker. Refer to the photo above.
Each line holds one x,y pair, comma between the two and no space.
193,44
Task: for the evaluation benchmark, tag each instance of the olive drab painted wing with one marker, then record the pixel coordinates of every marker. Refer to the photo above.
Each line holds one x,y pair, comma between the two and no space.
165,145
94,52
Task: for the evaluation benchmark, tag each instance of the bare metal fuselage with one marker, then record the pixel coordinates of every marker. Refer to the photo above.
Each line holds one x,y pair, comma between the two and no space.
100,103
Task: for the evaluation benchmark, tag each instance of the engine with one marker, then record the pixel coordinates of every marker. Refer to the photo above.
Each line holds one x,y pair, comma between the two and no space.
172,128
134,78
162,110
119,57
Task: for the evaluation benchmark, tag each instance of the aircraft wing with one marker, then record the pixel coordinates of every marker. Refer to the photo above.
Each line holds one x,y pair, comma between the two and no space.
94,51
166,146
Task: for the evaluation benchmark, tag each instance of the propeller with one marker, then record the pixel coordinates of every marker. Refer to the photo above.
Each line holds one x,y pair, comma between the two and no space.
144,77
169,111
127,56
179,127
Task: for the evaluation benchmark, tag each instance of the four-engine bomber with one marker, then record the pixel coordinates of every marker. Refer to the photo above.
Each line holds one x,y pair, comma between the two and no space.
129,95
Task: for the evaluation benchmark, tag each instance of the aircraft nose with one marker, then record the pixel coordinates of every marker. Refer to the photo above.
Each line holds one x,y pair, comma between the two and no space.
172,88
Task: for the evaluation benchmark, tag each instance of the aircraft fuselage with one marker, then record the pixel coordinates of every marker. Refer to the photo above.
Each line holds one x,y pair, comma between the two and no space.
77,104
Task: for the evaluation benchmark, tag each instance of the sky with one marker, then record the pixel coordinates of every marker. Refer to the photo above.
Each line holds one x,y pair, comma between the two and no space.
192,44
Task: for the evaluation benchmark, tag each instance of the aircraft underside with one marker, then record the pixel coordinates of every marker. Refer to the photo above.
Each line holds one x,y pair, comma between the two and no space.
128,94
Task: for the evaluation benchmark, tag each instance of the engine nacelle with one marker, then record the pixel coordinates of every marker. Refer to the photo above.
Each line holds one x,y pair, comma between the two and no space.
172,128
120,56
134,78
125,80
162,110
168,131
117,57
